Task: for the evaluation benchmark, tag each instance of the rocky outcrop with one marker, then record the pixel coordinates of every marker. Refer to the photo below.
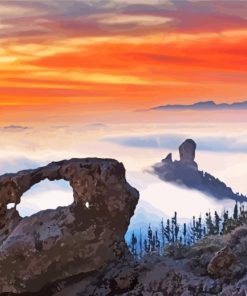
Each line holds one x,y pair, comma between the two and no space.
167,275
185,172
70,241
175,276
187,152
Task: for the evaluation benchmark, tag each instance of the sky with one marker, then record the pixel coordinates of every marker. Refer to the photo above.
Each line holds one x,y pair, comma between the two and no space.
71,61
70,70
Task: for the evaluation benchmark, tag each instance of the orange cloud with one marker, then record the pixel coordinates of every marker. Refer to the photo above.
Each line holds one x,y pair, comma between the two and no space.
120,56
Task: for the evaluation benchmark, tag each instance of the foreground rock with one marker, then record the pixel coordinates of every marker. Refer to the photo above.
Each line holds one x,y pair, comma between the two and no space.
185,172
199,271
225,264
68,242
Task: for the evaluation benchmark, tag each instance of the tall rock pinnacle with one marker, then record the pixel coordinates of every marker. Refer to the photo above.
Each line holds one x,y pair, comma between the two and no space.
187,152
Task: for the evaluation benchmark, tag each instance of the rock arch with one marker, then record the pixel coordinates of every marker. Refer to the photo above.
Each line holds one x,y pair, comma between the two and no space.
99,183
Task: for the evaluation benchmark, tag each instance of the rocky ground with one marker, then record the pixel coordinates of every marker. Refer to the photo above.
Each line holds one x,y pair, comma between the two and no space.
215,266
80,250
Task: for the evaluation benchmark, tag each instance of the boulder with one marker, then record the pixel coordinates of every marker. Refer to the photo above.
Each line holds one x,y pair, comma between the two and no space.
69,241
225,265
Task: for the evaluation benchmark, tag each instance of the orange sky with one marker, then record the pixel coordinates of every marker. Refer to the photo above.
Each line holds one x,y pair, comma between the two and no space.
81,57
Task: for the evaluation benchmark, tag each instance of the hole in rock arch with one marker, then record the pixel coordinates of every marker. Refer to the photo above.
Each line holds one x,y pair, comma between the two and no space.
45,195
10,206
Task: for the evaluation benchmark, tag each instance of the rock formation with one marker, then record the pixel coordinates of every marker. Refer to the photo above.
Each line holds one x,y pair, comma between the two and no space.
213,266
80,250
187,152
58,244
185,172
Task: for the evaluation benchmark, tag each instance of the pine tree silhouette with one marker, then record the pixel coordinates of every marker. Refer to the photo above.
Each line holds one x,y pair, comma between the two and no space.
140,244
217,222
162,233
185,233
189,234
235,212
150,237
167,231
209,224
133,244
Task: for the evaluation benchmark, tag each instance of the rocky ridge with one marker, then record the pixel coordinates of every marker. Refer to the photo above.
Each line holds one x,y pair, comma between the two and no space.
185,172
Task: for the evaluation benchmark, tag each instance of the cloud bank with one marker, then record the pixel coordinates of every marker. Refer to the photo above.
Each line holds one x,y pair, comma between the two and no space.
167,141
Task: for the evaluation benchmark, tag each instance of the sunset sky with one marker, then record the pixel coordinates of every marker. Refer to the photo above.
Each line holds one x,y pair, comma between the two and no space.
62,59
78,76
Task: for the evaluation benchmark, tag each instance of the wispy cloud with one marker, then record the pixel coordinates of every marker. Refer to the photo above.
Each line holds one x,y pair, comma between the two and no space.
89,16
95,126
13,165
168,141
120,54
14,127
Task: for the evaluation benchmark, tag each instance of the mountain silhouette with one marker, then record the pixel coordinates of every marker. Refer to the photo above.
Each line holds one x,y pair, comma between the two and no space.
206,105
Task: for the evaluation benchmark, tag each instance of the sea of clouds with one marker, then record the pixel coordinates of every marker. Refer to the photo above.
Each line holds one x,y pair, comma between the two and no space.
223,154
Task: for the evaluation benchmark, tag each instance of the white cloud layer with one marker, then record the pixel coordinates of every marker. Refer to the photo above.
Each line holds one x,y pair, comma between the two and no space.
38,146
172,141
45,195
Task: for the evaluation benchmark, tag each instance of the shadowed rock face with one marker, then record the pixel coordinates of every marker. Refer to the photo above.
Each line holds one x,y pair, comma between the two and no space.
57,244
185,172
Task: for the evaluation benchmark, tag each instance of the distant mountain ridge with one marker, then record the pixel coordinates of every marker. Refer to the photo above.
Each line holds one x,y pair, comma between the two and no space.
206,105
